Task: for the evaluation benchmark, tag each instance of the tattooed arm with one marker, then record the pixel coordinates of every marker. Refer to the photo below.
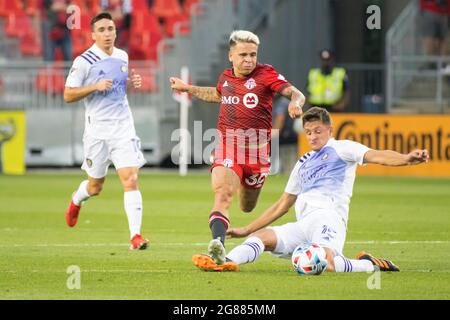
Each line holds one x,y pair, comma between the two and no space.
208,94
297,101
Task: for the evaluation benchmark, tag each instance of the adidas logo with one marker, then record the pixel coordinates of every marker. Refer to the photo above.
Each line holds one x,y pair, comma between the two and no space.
225,84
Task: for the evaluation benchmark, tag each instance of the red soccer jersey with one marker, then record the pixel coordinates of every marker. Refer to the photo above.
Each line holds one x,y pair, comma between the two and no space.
247,102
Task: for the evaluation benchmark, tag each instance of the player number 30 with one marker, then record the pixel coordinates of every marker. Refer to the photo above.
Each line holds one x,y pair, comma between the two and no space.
256,179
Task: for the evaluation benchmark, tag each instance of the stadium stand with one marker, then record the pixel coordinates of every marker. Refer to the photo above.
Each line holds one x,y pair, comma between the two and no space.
21,20
194,33
50,80
166,8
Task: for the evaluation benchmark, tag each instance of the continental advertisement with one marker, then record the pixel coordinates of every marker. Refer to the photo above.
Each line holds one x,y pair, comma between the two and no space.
12,142
401,133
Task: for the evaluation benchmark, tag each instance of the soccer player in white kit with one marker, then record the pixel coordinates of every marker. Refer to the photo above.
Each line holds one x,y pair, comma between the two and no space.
100,76
320,187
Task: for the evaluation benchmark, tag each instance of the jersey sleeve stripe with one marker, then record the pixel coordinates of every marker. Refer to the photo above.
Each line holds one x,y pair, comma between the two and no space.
94,54
86,59
91,56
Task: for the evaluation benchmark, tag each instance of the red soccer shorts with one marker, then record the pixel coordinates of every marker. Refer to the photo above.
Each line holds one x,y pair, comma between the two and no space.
251,165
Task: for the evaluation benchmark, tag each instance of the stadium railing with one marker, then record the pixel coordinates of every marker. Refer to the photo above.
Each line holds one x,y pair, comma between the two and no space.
55,128
415,82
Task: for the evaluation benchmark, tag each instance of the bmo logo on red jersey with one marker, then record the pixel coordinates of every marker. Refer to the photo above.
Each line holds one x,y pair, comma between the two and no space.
251,100
230,100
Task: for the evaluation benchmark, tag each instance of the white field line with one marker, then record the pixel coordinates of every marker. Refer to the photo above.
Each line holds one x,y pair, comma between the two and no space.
199,244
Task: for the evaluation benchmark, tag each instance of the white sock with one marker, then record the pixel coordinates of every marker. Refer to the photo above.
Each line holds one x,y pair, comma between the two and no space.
247,252
133,208
81,194
342,264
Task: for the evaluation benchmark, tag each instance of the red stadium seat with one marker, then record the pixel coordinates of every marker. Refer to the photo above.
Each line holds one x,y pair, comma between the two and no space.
169,26
139,5
145,34
17,24
29,45
144,46
94,6
8,7
33,7
50,80
166,8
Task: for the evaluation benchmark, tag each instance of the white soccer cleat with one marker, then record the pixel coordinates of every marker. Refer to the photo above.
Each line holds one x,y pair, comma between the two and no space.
217,251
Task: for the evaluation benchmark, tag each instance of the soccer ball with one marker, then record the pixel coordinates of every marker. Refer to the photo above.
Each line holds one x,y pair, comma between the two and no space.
309,259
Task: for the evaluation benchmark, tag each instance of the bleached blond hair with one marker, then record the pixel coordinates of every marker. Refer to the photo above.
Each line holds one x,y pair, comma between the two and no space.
243,36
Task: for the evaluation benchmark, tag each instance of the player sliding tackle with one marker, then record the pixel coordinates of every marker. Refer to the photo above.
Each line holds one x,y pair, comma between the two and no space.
241,159
320,187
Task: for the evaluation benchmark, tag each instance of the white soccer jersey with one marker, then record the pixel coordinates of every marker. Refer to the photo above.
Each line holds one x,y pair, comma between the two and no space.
324,178
108,114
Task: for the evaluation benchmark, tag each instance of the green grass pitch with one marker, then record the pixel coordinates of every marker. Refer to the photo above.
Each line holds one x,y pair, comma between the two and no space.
404,219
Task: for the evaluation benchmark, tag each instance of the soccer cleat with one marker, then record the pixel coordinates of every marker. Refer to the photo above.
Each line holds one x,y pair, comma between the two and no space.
381,264
72,213
138,243
217,251
206,263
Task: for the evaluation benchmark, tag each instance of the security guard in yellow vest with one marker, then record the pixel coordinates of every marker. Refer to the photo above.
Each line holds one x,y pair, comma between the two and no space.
328,85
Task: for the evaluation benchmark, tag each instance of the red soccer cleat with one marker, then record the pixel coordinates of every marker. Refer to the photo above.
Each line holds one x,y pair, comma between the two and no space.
72,213
138,243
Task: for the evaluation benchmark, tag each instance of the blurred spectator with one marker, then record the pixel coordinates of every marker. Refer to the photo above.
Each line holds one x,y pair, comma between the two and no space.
55,33
327,86
434,24
120,11
285,130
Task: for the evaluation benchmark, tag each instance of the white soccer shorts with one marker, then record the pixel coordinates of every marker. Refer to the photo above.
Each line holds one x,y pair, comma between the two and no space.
320,226
99,154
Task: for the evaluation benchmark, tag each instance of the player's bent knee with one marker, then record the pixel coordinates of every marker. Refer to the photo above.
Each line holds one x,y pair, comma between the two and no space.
268,238
129,181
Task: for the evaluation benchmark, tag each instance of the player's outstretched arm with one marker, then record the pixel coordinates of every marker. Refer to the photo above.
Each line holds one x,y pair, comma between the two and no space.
297,101
277,210
208,94
76,94
393,158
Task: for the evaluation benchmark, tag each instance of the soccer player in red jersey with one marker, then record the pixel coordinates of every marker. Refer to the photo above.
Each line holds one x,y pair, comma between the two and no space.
241,160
